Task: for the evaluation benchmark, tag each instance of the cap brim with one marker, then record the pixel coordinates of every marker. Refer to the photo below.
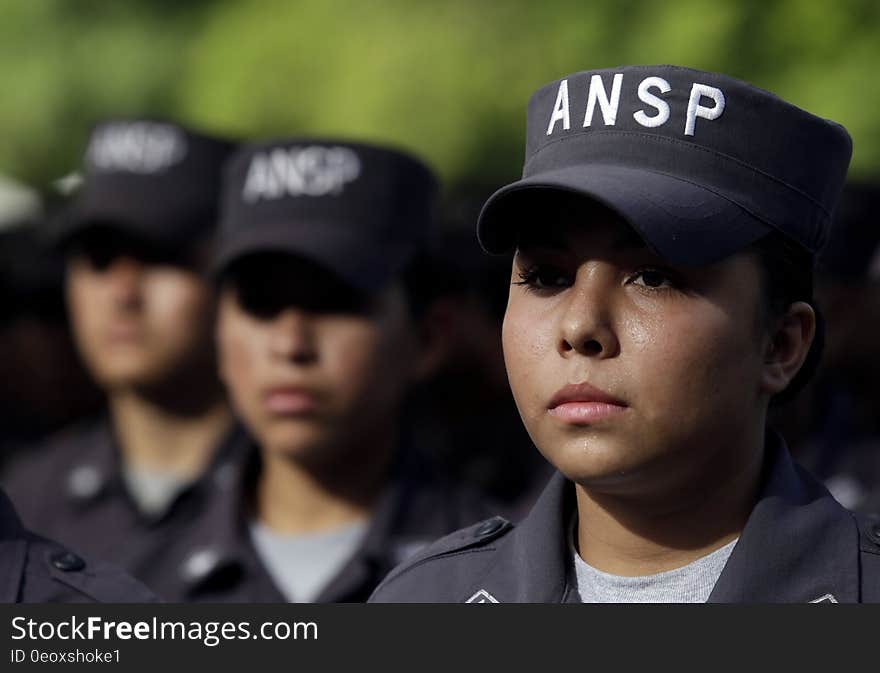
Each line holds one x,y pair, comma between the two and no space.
77,219
364,266
683,222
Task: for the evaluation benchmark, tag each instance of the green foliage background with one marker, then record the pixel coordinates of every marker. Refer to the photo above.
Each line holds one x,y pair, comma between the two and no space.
447,79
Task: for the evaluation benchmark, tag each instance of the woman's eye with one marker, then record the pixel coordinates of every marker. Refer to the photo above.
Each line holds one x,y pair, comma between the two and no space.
652,278
543,278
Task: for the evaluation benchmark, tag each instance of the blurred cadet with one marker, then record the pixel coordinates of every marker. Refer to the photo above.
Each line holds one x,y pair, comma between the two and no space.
661,299
44,385
141,303
36,570
321,288
489,449
838,423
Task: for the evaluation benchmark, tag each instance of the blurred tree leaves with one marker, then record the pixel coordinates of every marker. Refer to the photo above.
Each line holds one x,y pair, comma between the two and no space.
447,79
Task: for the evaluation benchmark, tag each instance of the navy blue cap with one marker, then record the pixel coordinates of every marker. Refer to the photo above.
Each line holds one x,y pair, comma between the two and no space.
153,179
359,210
700,164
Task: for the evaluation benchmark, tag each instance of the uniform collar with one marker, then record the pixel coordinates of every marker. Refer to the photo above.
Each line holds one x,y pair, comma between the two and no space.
798,545
98,471
377,554
532,560
222,552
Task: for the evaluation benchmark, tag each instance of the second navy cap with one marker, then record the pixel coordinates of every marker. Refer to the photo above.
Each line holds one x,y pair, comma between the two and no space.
361,211
153,179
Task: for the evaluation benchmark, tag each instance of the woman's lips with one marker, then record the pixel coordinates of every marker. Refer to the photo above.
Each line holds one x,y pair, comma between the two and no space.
123,333
583,404
290,401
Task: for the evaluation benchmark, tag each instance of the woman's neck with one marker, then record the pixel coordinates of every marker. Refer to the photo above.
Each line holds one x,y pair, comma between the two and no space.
292,497
156,437
635,536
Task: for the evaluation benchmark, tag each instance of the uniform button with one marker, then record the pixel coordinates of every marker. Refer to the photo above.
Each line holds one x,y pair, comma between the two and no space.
490,526
200,564
67,561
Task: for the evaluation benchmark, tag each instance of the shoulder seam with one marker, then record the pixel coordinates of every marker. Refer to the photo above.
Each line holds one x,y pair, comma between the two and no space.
394,575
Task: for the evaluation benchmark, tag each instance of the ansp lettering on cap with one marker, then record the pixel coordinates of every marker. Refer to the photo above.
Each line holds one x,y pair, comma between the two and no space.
136,147
151,178
300,171
700,164
359,210
609,103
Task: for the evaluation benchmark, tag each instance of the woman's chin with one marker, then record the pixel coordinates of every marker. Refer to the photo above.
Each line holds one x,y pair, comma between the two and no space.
600,462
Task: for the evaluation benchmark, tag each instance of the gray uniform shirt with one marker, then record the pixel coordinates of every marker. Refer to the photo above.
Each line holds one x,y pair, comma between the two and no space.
154,491
689,584
302,565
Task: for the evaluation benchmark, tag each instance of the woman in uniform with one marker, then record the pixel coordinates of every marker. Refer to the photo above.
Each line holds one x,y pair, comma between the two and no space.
661,301
321,290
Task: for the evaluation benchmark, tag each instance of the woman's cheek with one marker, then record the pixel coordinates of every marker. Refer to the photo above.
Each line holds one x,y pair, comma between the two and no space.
524,343
239,365
698,376
353,366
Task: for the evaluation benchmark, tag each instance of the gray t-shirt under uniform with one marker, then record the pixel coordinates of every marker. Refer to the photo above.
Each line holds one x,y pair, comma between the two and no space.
689,584
153,491
302,565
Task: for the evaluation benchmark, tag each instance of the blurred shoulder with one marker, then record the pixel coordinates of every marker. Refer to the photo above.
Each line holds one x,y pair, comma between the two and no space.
59,448
39,474
39,570
51,573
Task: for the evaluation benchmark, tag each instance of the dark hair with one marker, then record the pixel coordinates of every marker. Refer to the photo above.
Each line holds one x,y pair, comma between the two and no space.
788,272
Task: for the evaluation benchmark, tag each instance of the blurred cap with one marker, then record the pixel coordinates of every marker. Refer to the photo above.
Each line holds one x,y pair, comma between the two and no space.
361,211
700,164
153,179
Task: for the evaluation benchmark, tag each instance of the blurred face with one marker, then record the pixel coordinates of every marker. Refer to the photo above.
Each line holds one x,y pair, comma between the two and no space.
312,367
628,373
139,316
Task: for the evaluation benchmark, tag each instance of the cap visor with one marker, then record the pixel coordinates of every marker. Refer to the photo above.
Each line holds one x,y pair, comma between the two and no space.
364,266
76,220
684,223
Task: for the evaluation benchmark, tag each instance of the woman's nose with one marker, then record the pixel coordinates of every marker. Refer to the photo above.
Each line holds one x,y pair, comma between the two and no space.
586,322
292,337
123,277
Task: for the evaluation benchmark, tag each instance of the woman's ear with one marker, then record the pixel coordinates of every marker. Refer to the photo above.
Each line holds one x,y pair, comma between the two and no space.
788,346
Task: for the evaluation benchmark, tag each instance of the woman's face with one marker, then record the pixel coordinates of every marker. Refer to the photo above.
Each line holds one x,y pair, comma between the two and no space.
138,320
624,368
312,368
